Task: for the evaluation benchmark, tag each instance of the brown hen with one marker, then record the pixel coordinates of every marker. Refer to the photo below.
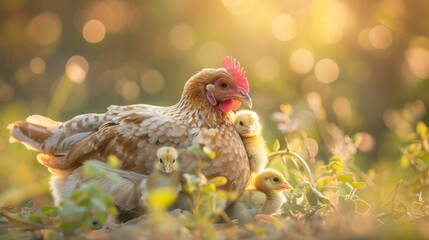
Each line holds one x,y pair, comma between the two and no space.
134,133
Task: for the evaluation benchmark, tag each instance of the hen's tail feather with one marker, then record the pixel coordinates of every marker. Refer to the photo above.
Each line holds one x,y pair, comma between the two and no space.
30,134
55,162
42,121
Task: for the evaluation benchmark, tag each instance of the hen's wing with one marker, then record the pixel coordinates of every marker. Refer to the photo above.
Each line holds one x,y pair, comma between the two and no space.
133,136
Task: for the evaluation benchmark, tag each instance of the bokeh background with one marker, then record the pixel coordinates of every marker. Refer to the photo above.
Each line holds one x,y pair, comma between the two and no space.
365,59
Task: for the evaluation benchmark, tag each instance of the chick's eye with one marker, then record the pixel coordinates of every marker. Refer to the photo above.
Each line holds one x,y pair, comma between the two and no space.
174,160
223,85
241,123
161,160
276,179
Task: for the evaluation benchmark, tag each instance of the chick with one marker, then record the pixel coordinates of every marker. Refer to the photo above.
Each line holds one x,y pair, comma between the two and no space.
249,128
166,172
265,198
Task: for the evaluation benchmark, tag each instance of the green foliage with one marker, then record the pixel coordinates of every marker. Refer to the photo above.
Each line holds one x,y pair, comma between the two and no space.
78,213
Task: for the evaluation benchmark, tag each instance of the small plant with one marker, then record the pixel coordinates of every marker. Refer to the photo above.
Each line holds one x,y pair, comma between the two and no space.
80,211
206,201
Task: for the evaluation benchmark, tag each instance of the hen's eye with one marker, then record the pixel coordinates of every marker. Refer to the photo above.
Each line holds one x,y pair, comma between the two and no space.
241,123
223,85
276,179
161,160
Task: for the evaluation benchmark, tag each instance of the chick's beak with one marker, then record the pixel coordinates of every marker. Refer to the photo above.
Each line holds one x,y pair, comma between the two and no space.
286,185
245,99
167,168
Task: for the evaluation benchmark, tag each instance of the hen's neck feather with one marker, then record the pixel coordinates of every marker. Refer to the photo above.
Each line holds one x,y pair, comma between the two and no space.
194,101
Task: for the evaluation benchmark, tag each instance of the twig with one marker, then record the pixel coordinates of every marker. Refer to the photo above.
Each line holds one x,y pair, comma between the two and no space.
289,152
5,211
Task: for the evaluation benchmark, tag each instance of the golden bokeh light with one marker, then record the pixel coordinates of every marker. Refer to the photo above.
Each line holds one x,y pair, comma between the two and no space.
232,3
418,61
267,68
182,36
326,70
283,27
342,109
130,90
367,142
76,69
363,39
44,29
94,31
210,53
380,37
301,61
337,18
6,92
152,81
113,14
312,84
37,65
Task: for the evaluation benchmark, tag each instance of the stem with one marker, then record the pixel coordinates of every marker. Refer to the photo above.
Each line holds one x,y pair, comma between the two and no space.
11,216
289,152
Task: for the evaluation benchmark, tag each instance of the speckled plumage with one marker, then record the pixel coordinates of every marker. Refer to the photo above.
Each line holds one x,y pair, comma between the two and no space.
134,133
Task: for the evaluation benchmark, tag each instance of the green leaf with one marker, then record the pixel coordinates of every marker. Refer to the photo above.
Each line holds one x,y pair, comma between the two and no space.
336,166
209,188
218,181
70,210
209,152
113,161
161,198
324,181
405,161
335,159
311,197
357,139
29,204
111,208
362,206
50,210
322,198
98,205
113,177
195,149
276,145
422,129
346,177
92,169
358,184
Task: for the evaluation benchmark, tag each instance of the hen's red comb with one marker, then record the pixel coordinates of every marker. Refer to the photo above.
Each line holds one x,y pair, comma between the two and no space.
234,68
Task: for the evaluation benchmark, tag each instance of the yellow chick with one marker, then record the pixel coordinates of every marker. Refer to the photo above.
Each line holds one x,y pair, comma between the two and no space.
265,198
166,172
249,128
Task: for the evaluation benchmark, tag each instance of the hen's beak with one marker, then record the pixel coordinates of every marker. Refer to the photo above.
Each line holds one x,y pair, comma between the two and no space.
245,99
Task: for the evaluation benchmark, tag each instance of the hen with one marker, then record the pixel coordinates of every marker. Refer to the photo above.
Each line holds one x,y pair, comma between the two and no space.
134,133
